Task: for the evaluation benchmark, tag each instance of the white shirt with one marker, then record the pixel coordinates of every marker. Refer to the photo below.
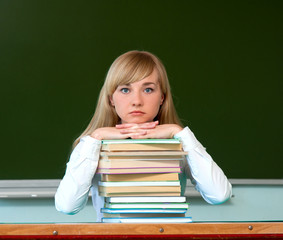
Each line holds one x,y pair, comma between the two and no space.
80,178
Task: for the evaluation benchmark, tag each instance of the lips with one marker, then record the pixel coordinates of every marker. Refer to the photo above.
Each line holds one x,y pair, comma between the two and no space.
137,113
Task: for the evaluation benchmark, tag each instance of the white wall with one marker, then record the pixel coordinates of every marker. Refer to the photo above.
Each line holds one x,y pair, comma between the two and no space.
250,202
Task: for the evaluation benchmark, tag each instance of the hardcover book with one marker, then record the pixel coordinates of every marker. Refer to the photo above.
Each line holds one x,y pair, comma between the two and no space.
140,189
137,164
139,194
144,154
142,215
138,170
140,177
141,145
144,199
144,211
148,220
147,205
139,184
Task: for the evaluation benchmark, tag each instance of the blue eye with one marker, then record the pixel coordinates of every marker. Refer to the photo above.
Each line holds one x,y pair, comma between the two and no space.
148,90
124,90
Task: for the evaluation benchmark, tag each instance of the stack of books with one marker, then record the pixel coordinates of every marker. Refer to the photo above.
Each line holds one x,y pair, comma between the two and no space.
140,180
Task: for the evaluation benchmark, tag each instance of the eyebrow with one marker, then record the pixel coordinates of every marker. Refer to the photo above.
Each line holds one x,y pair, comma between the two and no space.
144,84
149,83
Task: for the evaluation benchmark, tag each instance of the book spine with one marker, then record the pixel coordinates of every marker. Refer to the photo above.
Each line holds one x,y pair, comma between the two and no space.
138,170
140,189
139,184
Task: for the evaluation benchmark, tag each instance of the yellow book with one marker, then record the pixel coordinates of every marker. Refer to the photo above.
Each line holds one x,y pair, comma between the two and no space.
137,164
140,177
144,194
144,155
140,189
138,170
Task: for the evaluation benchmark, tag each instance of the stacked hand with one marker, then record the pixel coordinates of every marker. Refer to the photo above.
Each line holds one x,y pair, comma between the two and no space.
137,131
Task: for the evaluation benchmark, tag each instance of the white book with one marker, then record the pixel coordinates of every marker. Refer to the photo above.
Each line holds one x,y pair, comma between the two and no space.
148,220
161,211
148,205
129,184
144,199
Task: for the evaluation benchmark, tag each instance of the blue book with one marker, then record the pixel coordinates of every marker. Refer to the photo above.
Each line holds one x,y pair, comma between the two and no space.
148,220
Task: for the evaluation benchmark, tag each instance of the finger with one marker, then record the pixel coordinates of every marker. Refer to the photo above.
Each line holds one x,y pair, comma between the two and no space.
142,136
126,125
148,125
137,135
143,133
129,131
150,134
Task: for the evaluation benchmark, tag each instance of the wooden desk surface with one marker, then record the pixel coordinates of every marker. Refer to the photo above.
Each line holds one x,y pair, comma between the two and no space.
254,230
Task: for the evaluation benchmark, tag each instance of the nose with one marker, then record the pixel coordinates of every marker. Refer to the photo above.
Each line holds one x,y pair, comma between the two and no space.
137,99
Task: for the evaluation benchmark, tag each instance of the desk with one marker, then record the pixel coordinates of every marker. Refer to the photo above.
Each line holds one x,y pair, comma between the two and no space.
248,230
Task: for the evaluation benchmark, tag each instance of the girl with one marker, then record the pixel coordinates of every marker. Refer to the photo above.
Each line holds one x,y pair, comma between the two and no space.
135,102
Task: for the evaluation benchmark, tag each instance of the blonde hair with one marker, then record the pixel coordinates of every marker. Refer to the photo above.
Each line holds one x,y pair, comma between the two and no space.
130,67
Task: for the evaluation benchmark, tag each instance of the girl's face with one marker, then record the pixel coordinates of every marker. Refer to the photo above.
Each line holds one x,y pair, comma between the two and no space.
138,102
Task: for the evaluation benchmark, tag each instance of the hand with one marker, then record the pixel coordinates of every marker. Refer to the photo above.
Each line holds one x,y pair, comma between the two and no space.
137,126
115,133
150,130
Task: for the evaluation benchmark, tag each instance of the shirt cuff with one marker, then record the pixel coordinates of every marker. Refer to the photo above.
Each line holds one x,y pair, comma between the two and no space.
187,138
91,139
90,146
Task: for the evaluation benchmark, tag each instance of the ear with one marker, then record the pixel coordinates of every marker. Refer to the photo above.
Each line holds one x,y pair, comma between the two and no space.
162,99
111,101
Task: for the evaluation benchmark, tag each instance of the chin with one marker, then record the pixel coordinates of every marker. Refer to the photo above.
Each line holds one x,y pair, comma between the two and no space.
137,121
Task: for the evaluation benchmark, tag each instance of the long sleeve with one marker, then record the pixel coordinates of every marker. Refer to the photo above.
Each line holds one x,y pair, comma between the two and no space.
72,193
205,174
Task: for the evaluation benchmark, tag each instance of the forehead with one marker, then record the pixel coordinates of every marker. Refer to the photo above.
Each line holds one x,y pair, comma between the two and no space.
151,79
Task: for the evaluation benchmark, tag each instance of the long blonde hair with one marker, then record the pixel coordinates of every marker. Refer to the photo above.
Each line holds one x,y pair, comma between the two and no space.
130,67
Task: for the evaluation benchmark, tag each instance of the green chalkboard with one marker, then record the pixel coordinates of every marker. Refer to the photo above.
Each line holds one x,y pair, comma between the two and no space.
224,61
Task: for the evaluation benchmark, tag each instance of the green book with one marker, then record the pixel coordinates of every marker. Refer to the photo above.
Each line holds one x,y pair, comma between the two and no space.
141,145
